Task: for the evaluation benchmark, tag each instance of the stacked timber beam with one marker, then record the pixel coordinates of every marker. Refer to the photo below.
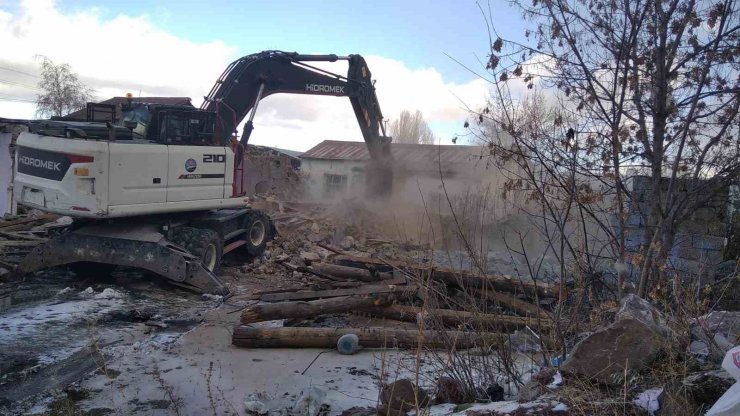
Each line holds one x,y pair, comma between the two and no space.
396,293
19,234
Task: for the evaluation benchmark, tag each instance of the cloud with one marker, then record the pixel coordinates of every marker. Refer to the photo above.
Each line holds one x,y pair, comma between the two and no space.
129,53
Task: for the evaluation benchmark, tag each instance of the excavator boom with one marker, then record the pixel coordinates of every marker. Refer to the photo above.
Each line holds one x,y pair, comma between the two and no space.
253,77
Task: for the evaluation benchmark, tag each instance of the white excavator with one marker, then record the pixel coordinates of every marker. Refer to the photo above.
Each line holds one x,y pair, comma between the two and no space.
161,189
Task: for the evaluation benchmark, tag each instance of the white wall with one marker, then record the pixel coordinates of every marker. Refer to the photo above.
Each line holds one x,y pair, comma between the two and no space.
315,171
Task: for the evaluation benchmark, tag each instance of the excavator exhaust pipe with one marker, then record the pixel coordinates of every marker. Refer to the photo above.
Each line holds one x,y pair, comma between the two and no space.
140,248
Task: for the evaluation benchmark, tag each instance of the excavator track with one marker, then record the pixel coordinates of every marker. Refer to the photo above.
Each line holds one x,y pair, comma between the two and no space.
139,247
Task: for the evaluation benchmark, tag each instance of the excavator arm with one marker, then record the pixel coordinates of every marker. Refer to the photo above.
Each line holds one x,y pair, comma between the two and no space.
253,77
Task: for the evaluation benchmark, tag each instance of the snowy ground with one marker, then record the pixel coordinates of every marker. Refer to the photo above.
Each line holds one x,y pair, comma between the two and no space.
142,348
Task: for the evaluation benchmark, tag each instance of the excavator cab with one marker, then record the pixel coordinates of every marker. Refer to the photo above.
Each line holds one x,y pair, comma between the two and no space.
170,124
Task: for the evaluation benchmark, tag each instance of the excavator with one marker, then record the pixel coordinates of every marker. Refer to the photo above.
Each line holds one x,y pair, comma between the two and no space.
160,189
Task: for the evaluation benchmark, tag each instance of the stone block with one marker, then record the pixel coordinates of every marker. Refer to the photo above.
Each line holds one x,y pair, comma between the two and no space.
707,242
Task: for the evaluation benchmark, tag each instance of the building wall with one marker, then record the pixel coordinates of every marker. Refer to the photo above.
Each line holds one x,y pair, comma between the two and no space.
710,237
418,185
317,171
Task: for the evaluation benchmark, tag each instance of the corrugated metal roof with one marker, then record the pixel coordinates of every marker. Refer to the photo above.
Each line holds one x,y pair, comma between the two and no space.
406,153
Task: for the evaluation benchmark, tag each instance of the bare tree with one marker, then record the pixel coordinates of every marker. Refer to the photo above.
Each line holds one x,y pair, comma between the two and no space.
63,91
411,128
641,86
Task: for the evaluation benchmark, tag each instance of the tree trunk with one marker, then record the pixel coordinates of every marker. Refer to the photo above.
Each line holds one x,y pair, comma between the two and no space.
355,273
458,278
449,317
369,338
291,310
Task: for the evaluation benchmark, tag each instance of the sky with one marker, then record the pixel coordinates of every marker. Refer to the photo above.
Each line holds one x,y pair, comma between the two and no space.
179,48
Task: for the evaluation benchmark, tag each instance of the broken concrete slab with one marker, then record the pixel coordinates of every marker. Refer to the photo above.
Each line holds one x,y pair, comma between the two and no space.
628,345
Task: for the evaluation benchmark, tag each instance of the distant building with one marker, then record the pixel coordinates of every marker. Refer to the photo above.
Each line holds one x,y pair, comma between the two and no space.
422,172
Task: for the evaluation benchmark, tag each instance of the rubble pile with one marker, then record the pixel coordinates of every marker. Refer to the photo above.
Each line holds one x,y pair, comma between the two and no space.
353,270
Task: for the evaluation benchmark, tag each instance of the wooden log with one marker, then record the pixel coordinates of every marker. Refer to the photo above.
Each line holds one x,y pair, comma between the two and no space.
18,243
355,273
302,337
11,235
333,293
290,310
457,277
26,220
449,317
512,302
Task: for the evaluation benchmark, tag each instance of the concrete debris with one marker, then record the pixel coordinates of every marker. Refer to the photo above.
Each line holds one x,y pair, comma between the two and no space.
449,390
530,391
525,340
254,403
401,396
360,411
714,334
311,402
347,243
310,256
649,400
108,293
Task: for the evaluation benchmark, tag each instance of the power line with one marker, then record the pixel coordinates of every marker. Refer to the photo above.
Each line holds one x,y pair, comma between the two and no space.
20,72
18,84
15,99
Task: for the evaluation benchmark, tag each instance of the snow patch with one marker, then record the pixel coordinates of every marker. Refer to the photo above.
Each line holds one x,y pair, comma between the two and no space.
109,293
648,400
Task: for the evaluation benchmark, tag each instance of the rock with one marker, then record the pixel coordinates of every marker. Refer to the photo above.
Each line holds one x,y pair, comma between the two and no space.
267,254
530,391
315,228
632,342
725,323
311,402
638,309
525,341
700,349
449,390
495,392
315,237
714,334
545,376
310,256
255,403
347,243
360,411
399,397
